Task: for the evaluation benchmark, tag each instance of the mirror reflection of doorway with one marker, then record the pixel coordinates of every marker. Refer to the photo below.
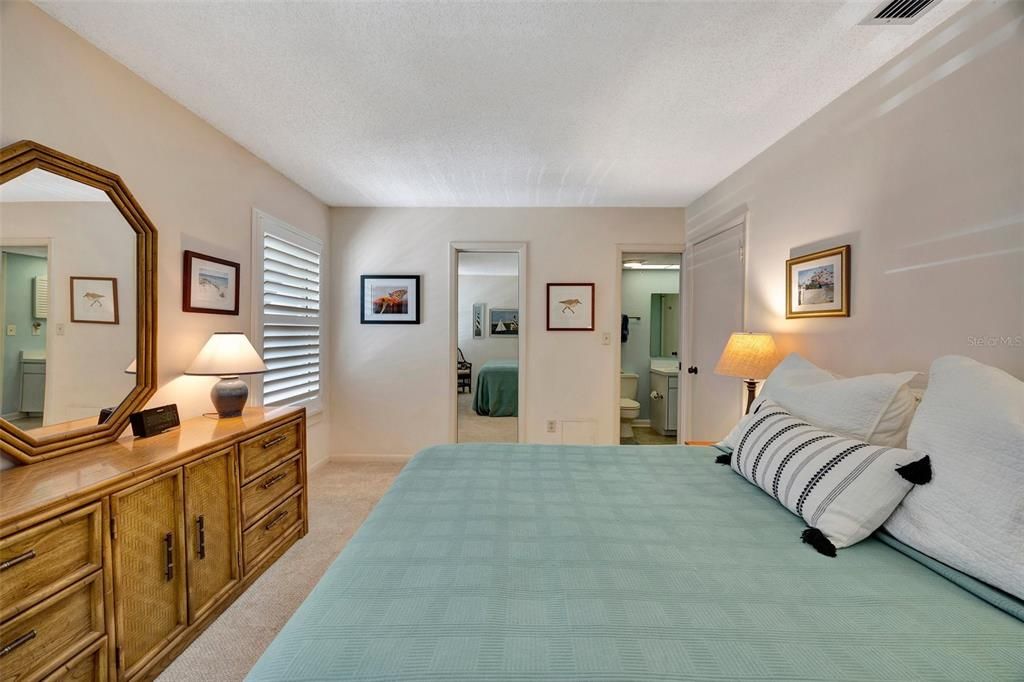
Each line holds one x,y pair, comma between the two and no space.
488,347
24,289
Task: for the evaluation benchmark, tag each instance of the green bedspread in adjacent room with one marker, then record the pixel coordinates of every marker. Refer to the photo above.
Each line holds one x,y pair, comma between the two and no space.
497,389
509,562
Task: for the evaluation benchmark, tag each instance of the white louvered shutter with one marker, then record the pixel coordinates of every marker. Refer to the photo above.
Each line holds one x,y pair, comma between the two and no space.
290,317
41,300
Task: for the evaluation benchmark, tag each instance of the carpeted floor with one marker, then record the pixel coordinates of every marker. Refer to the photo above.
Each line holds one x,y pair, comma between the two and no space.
476,429
341,495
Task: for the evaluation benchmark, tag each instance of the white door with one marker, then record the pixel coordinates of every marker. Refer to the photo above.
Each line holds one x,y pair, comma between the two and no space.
715,275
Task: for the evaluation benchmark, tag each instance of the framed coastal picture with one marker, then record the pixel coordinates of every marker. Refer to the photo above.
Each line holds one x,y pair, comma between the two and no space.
94,300
504,322
571,307
209,284
478,320
389,299
818,284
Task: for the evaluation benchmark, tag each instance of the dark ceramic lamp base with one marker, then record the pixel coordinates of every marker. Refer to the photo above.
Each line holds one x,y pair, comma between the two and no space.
229,396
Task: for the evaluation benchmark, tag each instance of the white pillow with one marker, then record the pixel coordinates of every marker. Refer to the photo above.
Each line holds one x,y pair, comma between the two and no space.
971,517
876,408
843,488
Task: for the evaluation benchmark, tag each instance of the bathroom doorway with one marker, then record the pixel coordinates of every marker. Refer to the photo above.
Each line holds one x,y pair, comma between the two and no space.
24,307
649,347
488,333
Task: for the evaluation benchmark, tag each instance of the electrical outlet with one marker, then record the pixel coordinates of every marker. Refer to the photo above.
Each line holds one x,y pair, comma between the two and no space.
552,426
12,330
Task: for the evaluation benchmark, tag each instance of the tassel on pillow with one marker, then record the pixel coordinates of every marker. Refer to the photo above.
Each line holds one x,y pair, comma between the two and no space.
919,472
816,539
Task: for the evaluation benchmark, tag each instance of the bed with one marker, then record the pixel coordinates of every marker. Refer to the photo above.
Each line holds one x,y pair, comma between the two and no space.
513,562
497,389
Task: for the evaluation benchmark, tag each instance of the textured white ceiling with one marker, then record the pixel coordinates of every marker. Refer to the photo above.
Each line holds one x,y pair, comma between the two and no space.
41,185
500,103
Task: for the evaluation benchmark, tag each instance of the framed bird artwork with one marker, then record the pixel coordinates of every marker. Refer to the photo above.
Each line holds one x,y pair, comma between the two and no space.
571,307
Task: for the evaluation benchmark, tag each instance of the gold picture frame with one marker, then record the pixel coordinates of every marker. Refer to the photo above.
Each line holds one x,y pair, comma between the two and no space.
818,284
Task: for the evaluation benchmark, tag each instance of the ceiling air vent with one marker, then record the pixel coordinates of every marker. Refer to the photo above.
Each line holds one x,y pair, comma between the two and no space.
899,11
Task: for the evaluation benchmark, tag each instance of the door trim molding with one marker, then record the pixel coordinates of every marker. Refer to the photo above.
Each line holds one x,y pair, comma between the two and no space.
454,248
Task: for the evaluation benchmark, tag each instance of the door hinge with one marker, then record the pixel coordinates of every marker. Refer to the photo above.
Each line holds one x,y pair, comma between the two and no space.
118,656
113,528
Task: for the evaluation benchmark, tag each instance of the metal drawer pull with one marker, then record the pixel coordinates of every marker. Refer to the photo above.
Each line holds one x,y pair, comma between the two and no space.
21,558
274,441
276,520
169,557
271,481
201,529
27,637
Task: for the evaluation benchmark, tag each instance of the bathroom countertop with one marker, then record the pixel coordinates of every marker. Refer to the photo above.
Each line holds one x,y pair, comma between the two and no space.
668,367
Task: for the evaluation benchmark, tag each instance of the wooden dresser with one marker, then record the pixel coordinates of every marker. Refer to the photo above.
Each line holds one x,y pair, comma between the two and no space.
113,559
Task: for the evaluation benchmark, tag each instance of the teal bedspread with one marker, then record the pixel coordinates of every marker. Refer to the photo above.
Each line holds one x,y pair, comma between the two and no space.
497,389
509,562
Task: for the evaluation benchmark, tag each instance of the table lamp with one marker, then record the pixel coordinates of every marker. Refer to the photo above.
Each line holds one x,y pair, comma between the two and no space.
227,355
750,357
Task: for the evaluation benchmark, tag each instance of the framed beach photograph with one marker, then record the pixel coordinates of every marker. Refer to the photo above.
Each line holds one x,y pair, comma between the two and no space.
479,310
94,300
504,322
389,299
571,307
818,284
209,285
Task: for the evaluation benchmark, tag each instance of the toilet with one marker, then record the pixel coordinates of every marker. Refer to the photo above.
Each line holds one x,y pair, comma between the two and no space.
629,408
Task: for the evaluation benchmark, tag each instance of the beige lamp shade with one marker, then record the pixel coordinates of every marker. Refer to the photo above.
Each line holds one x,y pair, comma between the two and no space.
748,356
227,354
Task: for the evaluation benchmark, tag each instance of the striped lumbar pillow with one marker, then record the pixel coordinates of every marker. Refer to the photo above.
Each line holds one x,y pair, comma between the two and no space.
843,488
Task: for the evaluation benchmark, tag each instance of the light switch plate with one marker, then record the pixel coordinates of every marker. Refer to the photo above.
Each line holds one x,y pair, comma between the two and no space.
606,339
12,330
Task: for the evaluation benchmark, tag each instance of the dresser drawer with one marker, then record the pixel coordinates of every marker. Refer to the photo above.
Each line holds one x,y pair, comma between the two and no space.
88,666
44,559
49,634
268,450
269,489
272,527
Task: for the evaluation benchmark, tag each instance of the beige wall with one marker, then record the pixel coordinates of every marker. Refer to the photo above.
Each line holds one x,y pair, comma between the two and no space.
391,383
921,169
196,185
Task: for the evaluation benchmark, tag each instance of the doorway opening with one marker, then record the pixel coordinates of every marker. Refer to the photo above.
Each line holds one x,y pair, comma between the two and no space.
649,355
487,301
24,308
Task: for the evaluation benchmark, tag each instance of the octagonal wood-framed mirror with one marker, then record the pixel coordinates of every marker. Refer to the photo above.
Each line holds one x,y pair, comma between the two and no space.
78,303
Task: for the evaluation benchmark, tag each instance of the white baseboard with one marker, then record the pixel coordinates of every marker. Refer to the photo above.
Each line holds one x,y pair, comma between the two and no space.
643,423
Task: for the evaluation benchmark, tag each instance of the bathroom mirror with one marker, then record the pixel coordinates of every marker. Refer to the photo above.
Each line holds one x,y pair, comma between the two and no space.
76,301
664,325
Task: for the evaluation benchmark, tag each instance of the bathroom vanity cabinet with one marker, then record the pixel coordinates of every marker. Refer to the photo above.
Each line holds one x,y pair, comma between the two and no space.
665,410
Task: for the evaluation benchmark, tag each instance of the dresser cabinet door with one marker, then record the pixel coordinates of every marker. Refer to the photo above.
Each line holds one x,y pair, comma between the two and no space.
211,514
149,569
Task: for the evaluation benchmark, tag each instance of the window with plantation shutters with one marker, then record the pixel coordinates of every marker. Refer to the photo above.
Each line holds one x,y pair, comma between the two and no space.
289,312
